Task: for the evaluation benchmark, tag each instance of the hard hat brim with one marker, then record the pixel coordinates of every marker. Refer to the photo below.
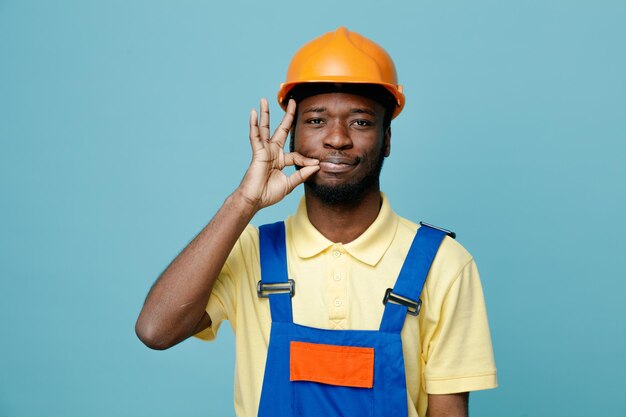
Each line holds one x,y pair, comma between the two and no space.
395,90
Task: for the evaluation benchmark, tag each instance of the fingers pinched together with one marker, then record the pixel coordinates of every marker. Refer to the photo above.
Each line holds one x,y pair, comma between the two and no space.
265,179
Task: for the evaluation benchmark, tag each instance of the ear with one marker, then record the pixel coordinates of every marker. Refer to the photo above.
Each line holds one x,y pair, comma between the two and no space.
387,144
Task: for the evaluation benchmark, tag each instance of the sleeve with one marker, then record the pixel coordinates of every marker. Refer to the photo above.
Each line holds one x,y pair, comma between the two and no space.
222,303
459,357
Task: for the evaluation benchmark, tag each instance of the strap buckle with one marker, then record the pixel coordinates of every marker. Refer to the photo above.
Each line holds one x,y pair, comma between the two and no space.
263,290
413,307
441,229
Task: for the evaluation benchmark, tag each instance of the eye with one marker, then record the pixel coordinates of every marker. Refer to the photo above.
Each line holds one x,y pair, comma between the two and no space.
315,121
362,123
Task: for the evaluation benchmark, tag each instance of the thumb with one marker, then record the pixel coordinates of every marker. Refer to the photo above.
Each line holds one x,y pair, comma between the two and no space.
300,176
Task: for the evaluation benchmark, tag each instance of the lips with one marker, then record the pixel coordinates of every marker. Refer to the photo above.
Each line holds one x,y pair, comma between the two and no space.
337,164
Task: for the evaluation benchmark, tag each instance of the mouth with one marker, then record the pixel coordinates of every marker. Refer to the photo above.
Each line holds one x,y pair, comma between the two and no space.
337,164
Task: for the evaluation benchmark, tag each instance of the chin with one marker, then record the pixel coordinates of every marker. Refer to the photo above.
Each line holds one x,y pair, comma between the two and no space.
341,193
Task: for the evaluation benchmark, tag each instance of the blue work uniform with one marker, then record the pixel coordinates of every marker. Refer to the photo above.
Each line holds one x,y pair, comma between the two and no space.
318,372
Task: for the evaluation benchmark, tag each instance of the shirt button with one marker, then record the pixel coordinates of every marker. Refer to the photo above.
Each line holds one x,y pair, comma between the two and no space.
336,254
337,277
338,302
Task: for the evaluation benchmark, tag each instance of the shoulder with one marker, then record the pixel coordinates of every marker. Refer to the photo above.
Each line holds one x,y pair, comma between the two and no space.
451,259
249,237
450,248
246,249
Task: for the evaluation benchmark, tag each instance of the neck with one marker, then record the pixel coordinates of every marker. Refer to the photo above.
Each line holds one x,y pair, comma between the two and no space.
342,223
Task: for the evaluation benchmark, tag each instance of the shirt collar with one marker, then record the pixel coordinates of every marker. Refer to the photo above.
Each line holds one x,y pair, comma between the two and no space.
368,248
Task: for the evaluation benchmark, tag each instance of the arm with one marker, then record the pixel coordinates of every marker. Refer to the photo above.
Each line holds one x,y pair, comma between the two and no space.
175,306
448,405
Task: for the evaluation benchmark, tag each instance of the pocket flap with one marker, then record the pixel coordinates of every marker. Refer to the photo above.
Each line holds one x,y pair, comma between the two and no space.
348,366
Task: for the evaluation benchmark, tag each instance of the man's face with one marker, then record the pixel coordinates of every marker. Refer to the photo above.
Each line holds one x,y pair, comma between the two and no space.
345,132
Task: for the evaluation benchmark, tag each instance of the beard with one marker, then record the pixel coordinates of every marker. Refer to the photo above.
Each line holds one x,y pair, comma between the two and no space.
349,192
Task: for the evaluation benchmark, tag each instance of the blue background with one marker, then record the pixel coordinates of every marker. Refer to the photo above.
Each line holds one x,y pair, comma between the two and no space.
123,126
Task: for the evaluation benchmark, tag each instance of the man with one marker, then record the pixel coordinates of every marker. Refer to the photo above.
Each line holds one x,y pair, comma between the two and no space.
305,299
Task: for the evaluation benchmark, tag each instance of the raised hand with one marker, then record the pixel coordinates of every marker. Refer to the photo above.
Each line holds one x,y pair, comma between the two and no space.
175,307
265,183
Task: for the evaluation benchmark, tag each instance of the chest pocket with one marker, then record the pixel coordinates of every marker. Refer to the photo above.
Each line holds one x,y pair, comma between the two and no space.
347,366
342,375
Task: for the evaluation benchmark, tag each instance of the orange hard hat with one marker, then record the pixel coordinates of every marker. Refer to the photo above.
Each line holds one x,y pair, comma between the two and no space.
342,57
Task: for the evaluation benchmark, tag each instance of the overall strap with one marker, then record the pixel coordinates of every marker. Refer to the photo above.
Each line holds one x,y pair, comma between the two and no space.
275,283
404,298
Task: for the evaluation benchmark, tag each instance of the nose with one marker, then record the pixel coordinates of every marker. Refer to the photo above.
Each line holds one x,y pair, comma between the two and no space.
338,137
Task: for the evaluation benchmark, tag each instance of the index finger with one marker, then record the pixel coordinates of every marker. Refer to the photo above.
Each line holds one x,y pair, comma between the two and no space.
282,131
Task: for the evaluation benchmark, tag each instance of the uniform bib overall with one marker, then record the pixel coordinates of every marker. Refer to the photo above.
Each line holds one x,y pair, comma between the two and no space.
318,373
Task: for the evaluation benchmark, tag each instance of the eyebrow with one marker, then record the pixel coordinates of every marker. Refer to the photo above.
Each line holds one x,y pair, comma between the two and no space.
363,110
355,110
314,110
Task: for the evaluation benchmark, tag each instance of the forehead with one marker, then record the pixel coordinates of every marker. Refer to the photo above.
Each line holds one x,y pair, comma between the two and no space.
340,102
